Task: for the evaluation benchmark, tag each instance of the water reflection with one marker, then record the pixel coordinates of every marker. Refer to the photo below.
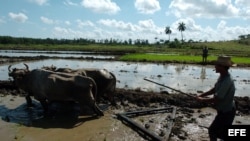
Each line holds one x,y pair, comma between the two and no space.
203,73
187,78
20,114
179,68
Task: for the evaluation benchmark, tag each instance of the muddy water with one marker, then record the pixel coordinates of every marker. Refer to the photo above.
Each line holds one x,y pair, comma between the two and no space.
64,54
92,129
187,78
18,122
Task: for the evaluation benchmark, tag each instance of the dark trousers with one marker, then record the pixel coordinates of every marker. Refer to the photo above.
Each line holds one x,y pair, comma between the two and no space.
222,120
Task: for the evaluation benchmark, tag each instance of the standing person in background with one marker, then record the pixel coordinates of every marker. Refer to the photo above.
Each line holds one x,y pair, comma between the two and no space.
223,98
204,55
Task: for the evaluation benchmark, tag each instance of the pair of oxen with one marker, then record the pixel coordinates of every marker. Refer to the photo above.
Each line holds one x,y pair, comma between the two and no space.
48,84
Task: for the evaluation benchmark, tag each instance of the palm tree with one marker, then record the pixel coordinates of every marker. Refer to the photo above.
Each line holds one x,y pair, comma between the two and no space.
181,28
168,31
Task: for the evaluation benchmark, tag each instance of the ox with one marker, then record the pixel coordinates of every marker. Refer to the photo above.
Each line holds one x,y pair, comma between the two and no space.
47,85
105,80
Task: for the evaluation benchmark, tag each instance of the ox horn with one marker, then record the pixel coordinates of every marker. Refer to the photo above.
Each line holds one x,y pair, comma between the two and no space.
27,67
9,68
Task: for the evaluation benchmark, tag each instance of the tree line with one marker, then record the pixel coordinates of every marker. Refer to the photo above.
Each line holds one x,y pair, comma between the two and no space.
244,39
83,41
80,41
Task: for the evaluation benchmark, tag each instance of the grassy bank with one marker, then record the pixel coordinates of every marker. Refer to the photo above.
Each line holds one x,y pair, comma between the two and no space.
104,48
242,61
232,48
162,57
188,53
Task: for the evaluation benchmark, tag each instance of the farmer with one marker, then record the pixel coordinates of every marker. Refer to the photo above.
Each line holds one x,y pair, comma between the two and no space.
204,54
223,98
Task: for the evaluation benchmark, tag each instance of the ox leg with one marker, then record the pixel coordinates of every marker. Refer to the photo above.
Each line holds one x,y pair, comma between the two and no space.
97,110
28,101
44,105
92,104
110,93
111,98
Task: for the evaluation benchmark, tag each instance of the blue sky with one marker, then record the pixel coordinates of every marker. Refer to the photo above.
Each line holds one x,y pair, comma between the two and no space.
210,20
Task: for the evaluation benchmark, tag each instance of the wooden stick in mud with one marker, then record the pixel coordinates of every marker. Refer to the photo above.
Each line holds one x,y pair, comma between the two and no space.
169,87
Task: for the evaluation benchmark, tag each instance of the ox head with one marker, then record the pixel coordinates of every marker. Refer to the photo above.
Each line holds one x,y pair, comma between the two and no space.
16,73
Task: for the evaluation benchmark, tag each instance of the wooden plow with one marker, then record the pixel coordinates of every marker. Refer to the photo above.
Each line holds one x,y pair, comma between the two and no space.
147,134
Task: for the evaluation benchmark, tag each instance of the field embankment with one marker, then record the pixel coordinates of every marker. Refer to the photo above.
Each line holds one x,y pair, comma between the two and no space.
187,53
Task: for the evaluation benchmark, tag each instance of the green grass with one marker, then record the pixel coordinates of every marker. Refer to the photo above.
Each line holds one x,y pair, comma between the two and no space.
162,57
177,58
230,48
241,60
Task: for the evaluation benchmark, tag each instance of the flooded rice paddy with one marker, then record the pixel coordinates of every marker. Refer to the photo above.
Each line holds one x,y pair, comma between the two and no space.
185,77
62,54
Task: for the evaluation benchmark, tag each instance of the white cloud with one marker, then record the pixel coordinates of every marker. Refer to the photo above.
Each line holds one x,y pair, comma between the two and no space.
101,6
46,20
68,2
197,32
20,17
146,29
39,2
204,8
189,23
81,24
149,26
221,25
244,6
245,3
118,25
66,33
147,6
110,28
225,32
67,22
145,26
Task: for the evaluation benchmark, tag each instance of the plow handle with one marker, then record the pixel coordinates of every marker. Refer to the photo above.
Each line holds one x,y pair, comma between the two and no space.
169,88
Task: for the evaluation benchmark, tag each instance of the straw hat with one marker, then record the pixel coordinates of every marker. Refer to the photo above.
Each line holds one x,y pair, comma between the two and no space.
224,61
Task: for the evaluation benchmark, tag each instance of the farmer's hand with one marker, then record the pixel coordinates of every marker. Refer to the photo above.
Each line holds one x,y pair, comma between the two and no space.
199,98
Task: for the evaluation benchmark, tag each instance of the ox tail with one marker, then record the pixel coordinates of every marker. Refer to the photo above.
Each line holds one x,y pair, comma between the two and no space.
113,82
94,92
112,92
94,88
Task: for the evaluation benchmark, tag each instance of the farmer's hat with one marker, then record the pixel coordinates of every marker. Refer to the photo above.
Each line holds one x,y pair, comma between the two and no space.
224,61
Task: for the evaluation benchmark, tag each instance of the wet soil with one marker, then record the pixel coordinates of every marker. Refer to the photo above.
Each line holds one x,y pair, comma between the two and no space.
191,120
20,123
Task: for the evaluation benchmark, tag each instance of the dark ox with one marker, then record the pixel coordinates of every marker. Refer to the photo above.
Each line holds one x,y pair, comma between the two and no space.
105,80
46,86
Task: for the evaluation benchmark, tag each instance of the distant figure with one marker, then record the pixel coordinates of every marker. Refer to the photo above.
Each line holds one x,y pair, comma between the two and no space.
204,55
